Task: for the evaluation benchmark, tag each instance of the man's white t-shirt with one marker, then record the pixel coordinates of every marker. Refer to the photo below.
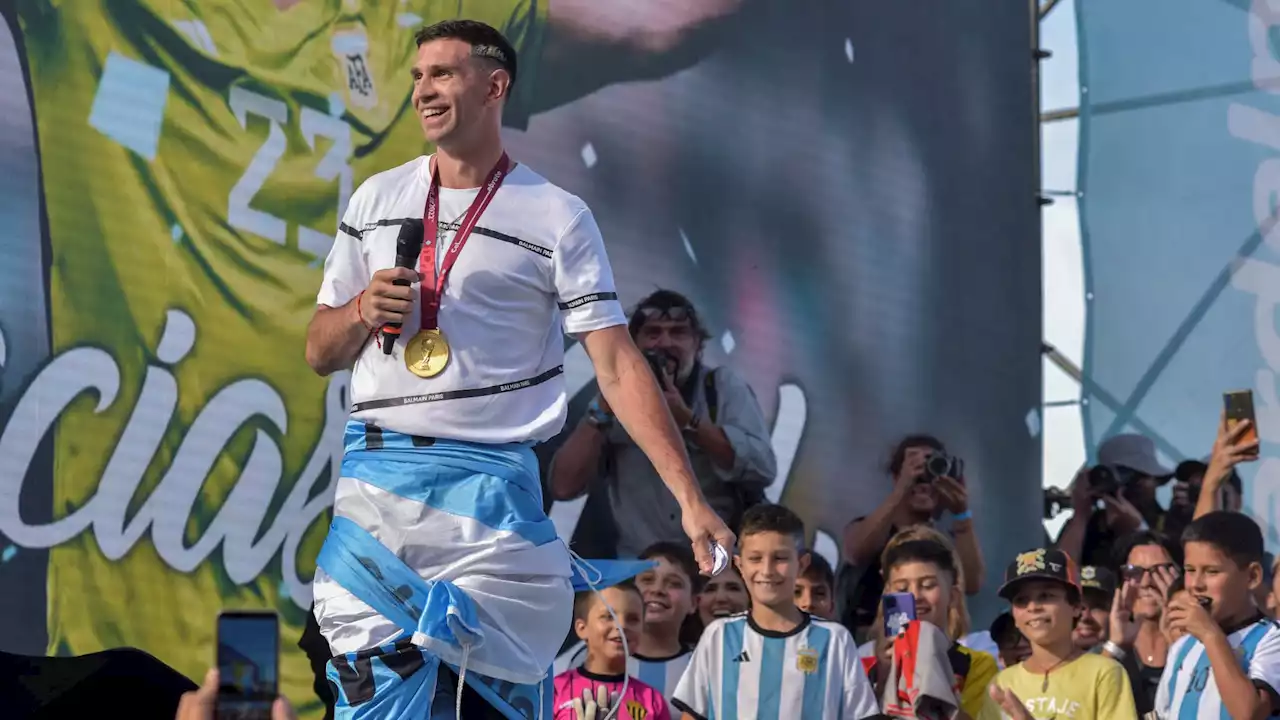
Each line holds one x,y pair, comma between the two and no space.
533,268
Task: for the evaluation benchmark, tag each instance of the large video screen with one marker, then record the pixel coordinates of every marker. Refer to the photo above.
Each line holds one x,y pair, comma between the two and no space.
845,190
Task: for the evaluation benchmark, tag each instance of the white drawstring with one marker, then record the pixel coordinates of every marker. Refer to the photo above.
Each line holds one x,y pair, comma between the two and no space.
583,566
462,677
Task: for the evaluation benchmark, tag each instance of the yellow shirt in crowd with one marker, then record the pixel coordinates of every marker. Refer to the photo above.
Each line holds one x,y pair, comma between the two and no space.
981,670
1091,687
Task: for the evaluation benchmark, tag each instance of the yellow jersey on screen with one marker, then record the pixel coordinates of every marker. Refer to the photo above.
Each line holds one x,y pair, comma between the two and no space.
196,158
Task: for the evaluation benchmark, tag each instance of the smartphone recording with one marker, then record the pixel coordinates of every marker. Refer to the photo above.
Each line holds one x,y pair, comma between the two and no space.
248,665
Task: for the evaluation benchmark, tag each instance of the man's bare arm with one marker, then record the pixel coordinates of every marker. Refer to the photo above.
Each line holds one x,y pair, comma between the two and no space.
336,335
594,43
335,338
576,462
628,385
970,552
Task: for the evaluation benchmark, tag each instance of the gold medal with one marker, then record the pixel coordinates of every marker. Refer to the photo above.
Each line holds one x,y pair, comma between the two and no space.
427,353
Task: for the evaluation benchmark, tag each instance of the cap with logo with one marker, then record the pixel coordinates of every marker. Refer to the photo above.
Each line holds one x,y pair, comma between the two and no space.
1041,564
1099,582
1136,452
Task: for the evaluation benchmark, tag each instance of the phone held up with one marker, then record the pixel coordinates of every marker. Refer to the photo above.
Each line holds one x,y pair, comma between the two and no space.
898,609
248,665
1238,405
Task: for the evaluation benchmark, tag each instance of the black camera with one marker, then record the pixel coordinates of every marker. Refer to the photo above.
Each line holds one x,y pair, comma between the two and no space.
1104,480
661,361
939,465
1056,501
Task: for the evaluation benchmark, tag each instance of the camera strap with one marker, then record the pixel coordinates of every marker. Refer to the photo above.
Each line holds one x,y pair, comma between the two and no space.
709,391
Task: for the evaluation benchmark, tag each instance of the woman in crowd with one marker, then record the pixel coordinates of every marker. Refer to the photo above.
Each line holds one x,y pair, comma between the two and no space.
922,561
1149,564
722,596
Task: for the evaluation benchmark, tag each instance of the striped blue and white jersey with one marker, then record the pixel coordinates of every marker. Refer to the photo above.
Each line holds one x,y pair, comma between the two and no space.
662,674
1187,687
741,671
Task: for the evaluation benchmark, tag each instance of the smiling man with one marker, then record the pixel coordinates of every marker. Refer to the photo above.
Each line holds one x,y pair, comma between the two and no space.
719,417
440,559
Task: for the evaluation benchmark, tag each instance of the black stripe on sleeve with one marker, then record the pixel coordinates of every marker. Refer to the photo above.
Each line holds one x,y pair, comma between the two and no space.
343,227
682,707
593,297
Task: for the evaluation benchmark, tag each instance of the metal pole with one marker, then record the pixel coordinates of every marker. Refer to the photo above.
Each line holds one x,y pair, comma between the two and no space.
1047,6
1063,114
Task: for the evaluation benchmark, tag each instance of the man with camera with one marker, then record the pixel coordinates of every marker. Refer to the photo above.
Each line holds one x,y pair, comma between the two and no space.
926,482
1114,498
722,423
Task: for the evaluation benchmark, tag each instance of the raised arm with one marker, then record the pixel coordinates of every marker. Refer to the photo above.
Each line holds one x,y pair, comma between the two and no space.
593,43
1229,449
578,459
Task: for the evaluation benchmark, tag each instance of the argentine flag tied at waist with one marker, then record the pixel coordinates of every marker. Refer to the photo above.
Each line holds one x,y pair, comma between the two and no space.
445,544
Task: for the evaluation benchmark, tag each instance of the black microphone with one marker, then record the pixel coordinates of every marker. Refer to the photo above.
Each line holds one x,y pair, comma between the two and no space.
408,245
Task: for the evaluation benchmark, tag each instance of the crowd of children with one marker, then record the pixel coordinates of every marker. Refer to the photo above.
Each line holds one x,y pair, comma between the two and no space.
1175,631
756,641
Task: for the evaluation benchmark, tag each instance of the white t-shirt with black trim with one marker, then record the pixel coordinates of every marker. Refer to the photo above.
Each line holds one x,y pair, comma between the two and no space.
534,268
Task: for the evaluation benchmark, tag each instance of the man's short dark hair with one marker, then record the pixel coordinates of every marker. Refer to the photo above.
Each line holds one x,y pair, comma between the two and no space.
584,601
819,571
666,300
919,440
1126,544
677,554
485,41
767,517
1236,535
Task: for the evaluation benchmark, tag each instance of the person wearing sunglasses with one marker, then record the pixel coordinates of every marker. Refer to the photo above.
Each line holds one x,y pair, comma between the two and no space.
717,412
1149,563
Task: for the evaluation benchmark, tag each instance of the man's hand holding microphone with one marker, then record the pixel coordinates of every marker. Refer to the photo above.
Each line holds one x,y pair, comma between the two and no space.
384,302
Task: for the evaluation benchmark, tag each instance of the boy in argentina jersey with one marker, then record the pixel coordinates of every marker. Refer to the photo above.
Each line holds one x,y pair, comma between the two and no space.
1228,663
774,662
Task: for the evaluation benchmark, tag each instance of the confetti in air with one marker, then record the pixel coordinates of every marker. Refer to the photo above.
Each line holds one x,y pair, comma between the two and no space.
688,247
1033,422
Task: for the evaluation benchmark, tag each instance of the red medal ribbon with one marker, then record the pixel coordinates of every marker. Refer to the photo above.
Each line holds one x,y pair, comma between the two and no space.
431,286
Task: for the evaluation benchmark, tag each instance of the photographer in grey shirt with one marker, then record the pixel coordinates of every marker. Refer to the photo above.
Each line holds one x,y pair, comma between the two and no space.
723,427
